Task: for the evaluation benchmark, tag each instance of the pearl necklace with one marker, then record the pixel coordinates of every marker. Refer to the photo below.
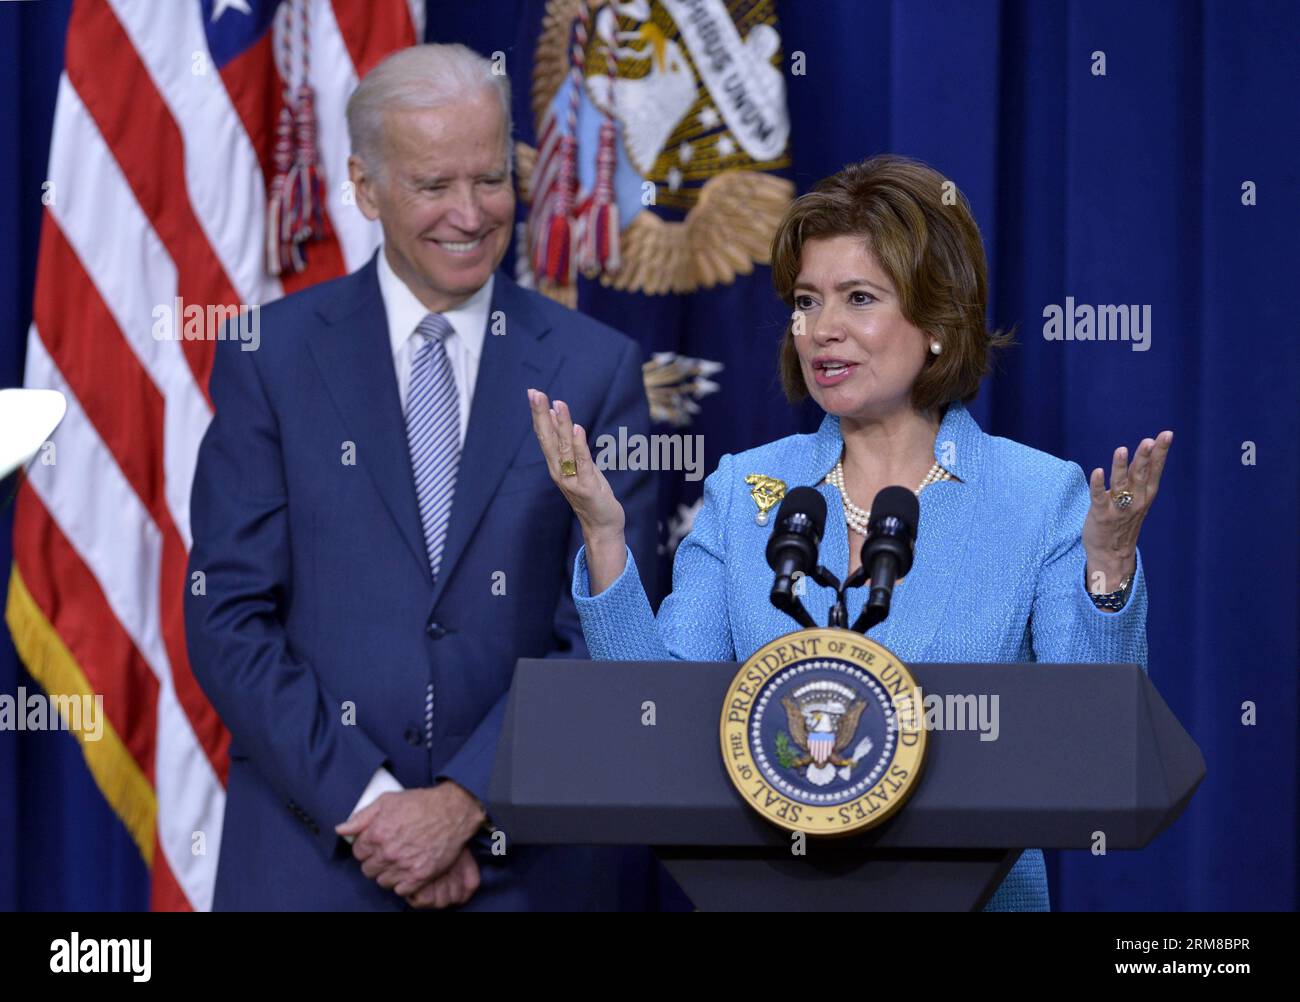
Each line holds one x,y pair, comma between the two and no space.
858,519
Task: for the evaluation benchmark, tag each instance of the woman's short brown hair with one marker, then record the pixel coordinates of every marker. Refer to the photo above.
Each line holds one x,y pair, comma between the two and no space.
919,227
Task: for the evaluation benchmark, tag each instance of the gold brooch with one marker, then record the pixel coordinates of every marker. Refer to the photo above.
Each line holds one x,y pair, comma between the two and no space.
767,494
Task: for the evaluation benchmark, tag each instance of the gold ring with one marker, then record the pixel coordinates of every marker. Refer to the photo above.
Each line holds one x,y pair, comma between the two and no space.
568,468
1122,499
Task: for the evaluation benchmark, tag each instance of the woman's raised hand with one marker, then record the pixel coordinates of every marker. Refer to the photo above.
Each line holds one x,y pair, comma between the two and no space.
1110,531
568,457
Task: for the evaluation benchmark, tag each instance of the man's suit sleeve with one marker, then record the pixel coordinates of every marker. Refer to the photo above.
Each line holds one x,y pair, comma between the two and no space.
624,406
273,703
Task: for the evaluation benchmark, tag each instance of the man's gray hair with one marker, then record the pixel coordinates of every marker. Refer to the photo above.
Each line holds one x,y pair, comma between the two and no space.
415,79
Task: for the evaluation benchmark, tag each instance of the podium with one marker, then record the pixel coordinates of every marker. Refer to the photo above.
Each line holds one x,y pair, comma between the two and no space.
628,753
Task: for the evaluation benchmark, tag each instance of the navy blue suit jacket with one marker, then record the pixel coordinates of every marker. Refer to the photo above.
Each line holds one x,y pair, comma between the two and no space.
318,628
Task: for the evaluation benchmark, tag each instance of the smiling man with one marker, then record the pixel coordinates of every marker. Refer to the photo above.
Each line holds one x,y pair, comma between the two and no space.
379,539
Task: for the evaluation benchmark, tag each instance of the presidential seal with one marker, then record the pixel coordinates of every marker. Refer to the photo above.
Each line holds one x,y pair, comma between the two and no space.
822,732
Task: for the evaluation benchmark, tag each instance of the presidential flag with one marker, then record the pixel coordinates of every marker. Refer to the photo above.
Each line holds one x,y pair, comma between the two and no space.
659,172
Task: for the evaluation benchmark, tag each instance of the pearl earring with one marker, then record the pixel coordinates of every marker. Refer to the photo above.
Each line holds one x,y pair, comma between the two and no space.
935,347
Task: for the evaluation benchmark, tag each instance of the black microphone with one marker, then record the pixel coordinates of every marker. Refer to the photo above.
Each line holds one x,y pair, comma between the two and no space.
792,550
887,553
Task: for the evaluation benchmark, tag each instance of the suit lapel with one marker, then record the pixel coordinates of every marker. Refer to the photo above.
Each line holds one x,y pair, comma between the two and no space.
354,355
947,513
499,418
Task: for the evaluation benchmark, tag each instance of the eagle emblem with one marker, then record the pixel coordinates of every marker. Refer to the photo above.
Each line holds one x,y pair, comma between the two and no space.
822,718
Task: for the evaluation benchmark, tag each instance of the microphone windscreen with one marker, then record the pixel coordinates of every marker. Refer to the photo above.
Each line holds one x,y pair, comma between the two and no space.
900,503
804,501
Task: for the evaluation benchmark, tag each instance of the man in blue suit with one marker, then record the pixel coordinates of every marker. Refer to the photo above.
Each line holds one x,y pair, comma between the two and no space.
376,536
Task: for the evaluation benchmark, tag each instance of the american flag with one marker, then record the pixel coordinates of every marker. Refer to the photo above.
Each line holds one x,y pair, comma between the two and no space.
162,164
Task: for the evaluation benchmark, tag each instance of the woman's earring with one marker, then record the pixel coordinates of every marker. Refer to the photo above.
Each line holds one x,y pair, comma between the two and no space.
935,347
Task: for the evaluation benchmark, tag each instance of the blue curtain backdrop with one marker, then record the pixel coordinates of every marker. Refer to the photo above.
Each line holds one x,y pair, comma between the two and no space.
1123,188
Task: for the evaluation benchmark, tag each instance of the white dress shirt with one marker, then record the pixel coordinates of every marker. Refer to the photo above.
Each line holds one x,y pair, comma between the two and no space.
404,312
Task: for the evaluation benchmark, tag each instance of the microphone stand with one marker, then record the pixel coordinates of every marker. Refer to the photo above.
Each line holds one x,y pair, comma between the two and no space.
789,603
876,609
838,616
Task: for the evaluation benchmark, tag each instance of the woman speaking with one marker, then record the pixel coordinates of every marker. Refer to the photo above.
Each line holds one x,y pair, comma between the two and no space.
1018,558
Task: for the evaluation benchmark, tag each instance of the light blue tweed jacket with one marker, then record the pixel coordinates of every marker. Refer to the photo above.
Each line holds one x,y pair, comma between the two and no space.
998,576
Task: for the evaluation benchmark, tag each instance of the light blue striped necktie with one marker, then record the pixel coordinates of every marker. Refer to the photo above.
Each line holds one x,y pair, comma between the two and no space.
433,433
